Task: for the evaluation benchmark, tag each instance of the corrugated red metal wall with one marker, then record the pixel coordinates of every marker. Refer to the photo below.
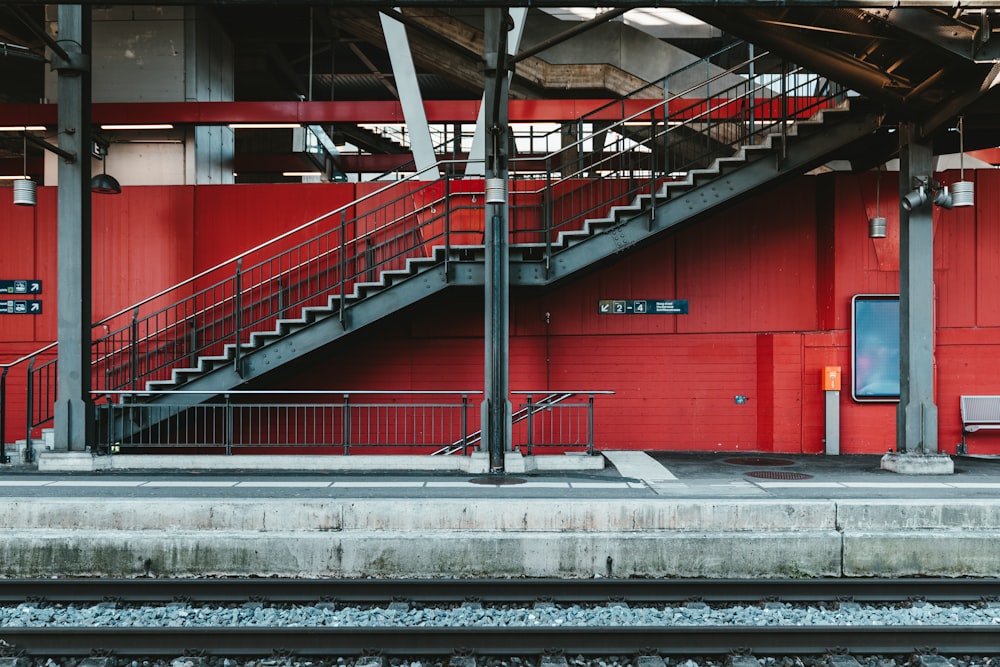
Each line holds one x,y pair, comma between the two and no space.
769,283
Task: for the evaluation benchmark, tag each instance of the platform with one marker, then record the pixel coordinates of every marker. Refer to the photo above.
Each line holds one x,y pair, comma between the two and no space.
641,514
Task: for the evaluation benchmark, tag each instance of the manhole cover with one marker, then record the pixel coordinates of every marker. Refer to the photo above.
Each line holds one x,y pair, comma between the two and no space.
778,474
756,461
497,480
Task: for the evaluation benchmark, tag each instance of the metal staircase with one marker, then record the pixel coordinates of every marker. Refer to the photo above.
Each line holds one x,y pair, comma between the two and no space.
640,167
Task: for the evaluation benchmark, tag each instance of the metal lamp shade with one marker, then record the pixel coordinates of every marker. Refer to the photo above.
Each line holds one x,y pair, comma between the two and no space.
963,193
25,192
104,184
876,227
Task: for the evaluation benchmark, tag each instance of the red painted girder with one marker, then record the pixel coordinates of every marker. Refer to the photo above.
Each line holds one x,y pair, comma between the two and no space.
438,111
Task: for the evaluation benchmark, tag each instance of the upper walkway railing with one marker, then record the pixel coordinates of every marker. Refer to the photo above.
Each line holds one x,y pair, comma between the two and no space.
634,146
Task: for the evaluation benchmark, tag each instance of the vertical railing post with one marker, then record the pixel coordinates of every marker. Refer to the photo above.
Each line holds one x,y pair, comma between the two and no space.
447,228
343,265
784,108
547,215
3,415
238,316
347,424
666,126
653,160
29,412
590,424
465,424
229,425
530,416
134,350
750,97
193,336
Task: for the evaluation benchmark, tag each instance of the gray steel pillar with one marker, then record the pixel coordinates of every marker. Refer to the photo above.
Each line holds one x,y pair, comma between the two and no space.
496,413
916,417
73,407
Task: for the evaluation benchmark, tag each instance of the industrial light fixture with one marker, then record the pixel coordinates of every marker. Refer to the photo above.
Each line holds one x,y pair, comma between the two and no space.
496,191
25,189
928,191
103,183
915,199
876,224
963,192
263,126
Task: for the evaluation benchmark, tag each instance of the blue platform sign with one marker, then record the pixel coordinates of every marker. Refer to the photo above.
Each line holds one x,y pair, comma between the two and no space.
642,307
31,307
20,286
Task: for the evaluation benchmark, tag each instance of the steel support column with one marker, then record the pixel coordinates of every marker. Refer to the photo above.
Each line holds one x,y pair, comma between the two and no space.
473,169
916,417
73,407
405,76
496,413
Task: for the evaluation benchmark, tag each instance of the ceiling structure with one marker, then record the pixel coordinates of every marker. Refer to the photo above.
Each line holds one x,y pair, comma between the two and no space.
921,61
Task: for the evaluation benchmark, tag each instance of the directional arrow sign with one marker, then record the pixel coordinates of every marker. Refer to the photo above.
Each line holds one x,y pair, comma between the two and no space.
643,306
31,307
21,286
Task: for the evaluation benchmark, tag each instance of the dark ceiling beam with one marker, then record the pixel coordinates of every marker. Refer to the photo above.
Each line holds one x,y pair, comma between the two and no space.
465,4
971,41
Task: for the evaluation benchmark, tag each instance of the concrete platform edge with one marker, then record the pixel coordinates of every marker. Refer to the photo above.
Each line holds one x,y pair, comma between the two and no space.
468,537
477,463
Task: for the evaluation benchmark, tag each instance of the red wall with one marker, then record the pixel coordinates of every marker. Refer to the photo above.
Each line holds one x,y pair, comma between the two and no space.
769,283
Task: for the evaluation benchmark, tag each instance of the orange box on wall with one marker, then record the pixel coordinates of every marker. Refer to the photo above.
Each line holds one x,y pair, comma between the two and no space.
831,378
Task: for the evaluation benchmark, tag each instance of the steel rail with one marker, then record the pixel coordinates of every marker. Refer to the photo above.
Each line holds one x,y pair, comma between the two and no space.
511,641
428,591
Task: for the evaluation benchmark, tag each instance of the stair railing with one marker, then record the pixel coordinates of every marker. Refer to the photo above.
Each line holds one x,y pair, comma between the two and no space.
657,142
198,317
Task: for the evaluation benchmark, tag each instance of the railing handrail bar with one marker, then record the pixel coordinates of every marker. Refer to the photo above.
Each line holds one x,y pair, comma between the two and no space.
241,392
436,166
553,393
11,364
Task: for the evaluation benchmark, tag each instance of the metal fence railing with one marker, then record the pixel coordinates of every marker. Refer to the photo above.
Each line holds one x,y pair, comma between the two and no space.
334,422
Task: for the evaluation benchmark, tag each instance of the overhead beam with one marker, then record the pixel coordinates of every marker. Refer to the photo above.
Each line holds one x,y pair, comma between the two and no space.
680,4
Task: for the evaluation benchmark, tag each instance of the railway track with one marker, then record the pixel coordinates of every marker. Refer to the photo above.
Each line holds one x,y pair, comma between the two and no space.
497,591
493,641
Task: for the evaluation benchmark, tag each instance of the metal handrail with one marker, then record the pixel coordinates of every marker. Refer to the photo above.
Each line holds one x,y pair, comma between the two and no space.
235,420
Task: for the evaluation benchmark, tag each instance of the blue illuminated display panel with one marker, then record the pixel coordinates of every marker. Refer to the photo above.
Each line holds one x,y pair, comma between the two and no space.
875,347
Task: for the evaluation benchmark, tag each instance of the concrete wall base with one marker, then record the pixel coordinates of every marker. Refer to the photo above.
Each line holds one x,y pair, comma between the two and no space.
918,464
480,537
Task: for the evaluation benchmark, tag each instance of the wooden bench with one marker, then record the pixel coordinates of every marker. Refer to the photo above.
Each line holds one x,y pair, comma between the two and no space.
979,413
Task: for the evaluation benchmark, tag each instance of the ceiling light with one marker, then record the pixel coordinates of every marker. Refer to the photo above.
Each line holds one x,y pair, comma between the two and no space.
150,126
103,184
22,128
915,199
25,188
263,126
301,173
963,193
